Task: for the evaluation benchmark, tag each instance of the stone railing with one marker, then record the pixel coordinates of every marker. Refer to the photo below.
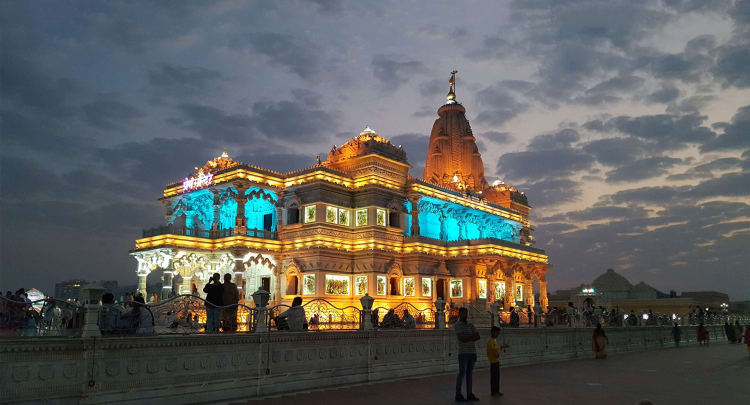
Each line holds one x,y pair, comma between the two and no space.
185,369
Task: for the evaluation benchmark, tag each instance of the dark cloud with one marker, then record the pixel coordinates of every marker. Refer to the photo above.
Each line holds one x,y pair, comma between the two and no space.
610,90
731,66
607,213
415,146
499,104
181,81
615,151
545,163
736,134
664,95
550,192
393,71
491,47
266,120
297,55
668,131
497,137
560,140
642,169
690,105
433,89
110,114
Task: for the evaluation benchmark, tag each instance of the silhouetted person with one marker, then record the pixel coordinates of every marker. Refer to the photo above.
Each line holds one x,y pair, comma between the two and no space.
214,296
467,354
409,322
231,296
702,334
676,332
515,321
599,342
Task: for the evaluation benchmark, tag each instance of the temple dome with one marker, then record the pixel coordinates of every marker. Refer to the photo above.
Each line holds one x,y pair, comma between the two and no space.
643,291
368,142
611,281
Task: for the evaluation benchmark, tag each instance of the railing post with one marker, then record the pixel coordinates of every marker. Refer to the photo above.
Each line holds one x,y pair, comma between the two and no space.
91,296
366,302
260,298
440,314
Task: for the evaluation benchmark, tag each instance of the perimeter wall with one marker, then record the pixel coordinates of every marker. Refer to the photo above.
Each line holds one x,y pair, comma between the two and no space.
182,369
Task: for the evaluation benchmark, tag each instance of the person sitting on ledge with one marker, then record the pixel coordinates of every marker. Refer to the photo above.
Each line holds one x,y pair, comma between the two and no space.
391,320
294,316
409,322
109,315
514,319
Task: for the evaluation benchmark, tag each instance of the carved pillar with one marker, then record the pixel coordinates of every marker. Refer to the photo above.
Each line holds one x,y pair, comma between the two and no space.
529,293
240,224
510,291
414,200
217,209
543,300
239,276
142,283
280,210
166,287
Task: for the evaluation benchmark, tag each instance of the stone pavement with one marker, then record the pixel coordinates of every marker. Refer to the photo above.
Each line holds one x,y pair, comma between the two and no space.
714,375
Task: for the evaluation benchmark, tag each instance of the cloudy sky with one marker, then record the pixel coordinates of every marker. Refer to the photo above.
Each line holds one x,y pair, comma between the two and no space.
627,123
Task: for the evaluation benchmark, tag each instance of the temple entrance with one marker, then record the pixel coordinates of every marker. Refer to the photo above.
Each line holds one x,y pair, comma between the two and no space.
265,283
394,286
440,288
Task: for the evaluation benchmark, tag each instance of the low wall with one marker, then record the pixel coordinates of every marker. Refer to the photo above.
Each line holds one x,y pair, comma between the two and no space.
208,368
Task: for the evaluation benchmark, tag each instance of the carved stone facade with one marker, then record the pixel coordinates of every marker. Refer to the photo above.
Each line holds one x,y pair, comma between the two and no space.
354,224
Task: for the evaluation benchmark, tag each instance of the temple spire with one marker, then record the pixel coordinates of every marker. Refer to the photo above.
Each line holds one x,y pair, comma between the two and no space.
451,97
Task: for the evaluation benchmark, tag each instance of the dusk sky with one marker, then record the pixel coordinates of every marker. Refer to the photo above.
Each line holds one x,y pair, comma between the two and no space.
627,123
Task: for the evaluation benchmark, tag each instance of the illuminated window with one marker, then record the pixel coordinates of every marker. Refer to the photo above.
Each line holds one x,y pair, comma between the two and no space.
519,293
331,215
499,290
308,284
457,288
361,217
337,285
381,285
310,213
426,287
343,217
408,286
380,217
360,285
482,288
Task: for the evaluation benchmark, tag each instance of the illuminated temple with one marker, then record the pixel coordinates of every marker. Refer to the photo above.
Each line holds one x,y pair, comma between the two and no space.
355,223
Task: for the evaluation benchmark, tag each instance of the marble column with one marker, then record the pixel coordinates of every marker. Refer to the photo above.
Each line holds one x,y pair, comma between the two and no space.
414,200
142,284
240,224
166,287
543,300
280,210
217,209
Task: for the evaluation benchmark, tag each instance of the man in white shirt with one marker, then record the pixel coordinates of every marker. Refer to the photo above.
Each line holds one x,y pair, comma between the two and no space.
295,316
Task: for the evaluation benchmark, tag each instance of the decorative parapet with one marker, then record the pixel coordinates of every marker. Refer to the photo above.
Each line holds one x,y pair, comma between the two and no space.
190,369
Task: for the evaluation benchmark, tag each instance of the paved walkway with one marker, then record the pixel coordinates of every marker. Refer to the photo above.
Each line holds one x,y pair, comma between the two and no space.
715,375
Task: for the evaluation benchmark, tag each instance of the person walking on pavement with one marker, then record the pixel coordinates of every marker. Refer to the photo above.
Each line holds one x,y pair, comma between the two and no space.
466,334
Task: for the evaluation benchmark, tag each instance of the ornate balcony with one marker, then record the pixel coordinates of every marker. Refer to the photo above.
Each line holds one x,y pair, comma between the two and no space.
209,234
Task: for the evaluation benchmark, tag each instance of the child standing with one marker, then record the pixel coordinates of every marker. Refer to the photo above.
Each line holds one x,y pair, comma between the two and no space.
493,356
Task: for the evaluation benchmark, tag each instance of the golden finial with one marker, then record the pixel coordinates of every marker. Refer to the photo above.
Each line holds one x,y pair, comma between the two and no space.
451,97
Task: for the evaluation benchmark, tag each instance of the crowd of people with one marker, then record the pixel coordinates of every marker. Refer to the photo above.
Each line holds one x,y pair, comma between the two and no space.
19,316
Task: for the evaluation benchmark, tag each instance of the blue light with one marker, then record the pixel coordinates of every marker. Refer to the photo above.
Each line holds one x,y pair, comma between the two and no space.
448,221
197,207
407,207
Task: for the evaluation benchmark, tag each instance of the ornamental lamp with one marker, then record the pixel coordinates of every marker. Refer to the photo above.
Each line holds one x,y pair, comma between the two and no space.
261,297
366,302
